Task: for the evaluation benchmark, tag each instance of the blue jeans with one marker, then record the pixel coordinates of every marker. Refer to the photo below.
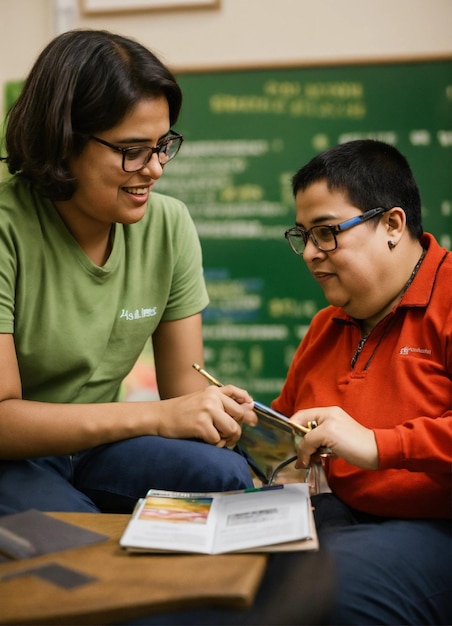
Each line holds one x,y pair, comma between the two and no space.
388,571
111,478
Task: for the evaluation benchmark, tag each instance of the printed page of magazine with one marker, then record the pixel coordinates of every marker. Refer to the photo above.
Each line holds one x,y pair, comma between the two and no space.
215,523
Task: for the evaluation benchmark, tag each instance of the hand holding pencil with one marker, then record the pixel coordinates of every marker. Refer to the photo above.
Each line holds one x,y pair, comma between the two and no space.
258,407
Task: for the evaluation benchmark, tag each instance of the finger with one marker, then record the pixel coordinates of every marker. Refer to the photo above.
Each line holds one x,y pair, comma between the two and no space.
307,450
220,440
212,436
227,427
228,442
238,411
236,393
305,417
238,404
249,414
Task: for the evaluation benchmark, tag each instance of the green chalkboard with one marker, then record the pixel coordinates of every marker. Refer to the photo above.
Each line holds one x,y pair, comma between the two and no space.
247,132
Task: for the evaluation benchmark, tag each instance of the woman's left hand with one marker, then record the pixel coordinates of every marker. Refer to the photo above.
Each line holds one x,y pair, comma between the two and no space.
339,432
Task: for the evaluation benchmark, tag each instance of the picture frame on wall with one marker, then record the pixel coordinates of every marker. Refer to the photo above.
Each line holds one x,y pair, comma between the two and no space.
98,7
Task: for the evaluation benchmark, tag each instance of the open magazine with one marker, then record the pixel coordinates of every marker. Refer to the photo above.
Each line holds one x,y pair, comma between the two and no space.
261,519
271,444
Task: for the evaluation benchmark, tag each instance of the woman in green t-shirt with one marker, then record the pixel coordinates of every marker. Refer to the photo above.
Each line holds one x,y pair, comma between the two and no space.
93,263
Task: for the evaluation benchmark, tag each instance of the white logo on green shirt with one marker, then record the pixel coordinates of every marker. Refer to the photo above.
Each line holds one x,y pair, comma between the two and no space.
138,313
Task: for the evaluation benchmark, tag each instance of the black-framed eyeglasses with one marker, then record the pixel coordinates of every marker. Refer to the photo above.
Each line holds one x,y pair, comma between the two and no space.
324,237
137,157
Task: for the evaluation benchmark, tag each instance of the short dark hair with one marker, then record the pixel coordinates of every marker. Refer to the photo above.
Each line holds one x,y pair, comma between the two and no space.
371,174
83,82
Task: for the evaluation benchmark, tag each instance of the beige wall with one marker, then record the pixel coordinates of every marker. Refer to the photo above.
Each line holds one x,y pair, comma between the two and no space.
242,32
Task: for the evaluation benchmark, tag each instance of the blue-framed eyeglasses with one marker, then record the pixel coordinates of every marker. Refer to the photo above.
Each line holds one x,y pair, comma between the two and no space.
137,157
324,237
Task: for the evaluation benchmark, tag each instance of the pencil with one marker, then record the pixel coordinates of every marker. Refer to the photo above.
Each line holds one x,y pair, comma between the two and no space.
206,374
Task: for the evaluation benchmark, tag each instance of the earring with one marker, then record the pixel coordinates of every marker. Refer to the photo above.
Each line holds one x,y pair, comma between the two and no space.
391,244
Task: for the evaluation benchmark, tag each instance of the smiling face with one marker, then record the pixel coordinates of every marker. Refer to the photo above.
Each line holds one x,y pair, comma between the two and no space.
359,276
105,194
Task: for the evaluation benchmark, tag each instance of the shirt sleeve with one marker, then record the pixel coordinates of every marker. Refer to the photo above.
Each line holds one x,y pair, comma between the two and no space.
413,444
188,294
8,271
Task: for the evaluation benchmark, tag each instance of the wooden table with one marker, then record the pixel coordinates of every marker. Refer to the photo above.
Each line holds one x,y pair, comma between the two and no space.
116,586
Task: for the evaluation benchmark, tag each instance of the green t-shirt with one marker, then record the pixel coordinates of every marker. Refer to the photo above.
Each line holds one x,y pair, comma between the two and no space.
79,328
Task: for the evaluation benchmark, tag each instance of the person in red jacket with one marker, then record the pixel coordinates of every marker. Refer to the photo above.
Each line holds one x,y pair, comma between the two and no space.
374,372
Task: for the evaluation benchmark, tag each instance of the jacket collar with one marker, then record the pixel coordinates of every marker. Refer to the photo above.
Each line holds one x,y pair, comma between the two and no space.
420,290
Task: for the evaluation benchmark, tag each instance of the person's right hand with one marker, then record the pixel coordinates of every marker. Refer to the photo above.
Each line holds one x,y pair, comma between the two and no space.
213,415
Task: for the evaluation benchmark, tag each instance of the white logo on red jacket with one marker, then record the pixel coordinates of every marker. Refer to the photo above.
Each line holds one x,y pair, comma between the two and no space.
407,350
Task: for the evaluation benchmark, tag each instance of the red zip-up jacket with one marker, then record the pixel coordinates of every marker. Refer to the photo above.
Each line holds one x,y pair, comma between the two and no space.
400,386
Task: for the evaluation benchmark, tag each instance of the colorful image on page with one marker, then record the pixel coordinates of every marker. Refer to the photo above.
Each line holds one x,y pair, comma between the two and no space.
194,510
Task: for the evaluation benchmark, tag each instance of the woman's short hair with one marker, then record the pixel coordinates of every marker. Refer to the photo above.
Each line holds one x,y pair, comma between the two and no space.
83,82
371,174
